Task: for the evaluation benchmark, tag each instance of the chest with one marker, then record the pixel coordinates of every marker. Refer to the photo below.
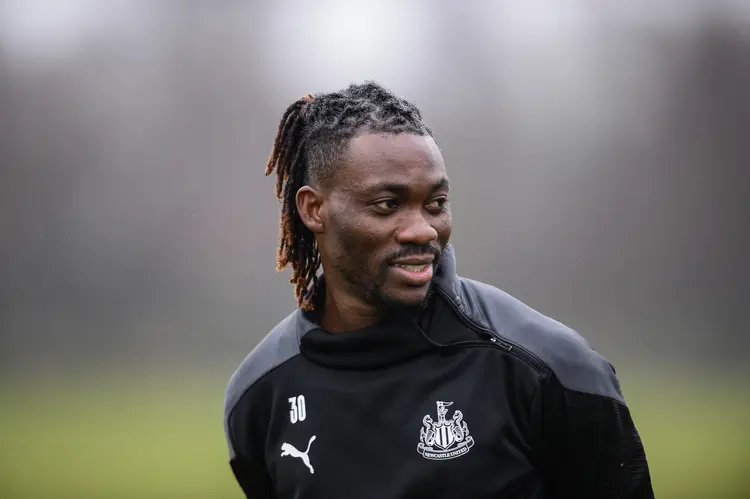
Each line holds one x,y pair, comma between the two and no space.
448,427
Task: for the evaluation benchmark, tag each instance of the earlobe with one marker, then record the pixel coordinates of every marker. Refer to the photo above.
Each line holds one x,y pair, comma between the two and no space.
309,206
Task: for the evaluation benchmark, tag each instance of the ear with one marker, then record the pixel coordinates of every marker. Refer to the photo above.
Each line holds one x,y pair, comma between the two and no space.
309,206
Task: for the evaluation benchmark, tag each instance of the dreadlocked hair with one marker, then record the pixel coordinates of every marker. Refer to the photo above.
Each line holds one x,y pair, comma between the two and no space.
312,136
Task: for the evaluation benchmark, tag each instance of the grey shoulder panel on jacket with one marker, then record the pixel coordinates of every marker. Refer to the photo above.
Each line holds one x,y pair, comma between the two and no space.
567,354
277,347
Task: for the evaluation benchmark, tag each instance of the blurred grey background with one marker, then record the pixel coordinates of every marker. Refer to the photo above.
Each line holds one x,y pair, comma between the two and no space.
598,151
599,155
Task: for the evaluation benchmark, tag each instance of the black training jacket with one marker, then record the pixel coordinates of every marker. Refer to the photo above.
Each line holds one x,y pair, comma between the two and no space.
482,397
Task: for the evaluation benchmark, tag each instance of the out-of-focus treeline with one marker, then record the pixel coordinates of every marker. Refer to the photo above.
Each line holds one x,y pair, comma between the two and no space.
599,156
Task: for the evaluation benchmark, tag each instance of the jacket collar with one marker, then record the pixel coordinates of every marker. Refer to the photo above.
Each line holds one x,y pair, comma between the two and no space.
446,278
395,338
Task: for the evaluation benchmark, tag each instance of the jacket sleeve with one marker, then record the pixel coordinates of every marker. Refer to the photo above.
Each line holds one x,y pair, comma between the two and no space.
246,455
588,446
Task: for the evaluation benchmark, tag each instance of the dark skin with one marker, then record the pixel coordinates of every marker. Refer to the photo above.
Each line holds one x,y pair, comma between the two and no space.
388,200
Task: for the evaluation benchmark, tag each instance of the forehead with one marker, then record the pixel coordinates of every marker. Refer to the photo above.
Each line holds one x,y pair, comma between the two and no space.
372,159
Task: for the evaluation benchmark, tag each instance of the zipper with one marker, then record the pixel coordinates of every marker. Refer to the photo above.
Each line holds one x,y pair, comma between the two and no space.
508,346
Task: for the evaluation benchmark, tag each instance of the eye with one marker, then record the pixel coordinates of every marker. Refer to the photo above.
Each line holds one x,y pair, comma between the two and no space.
387,204
437,204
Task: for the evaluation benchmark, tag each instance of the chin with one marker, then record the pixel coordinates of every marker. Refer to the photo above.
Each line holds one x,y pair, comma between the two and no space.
411,300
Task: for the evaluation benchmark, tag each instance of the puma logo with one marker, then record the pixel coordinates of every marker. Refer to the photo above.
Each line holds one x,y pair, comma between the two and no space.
290,450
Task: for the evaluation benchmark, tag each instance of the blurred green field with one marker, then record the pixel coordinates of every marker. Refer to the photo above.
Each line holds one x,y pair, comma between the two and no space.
150,437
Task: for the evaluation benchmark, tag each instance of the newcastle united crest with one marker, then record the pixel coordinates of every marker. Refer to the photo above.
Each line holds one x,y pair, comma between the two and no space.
444,438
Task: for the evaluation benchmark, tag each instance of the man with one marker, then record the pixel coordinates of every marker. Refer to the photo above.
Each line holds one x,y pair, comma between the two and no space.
395,377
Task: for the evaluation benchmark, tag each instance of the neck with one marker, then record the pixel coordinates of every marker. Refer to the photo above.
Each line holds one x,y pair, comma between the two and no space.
343,312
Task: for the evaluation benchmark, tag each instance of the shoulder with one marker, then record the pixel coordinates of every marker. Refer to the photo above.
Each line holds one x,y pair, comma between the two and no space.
279,346
561,350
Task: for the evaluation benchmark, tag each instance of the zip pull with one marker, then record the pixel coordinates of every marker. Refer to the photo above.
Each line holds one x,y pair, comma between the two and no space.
502,345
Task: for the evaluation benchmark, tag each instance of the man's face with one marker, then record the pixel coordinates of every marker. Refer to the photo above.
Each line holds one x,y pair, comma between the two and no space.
386,219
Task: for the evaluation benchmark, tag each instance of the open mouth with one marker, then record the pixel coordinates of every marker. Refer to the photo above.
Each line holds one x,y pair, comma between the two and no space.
415,270
412,267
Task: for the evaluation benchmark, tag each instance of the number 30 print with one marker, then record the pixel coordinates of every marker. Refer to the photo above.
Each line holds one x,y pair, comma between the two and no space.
297,409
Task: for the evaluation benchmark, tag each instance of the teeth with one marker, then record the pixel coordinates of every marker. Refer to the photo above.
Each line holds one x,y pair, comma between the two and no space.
412,268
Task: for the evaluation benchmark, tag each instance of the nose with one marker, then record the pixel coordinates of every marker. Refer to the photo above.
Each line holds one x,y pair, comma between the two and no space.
416,230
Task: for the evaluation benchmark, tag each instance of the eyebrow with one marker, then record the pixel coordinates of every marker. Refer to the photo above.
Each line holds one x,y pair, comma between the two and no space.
400,188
